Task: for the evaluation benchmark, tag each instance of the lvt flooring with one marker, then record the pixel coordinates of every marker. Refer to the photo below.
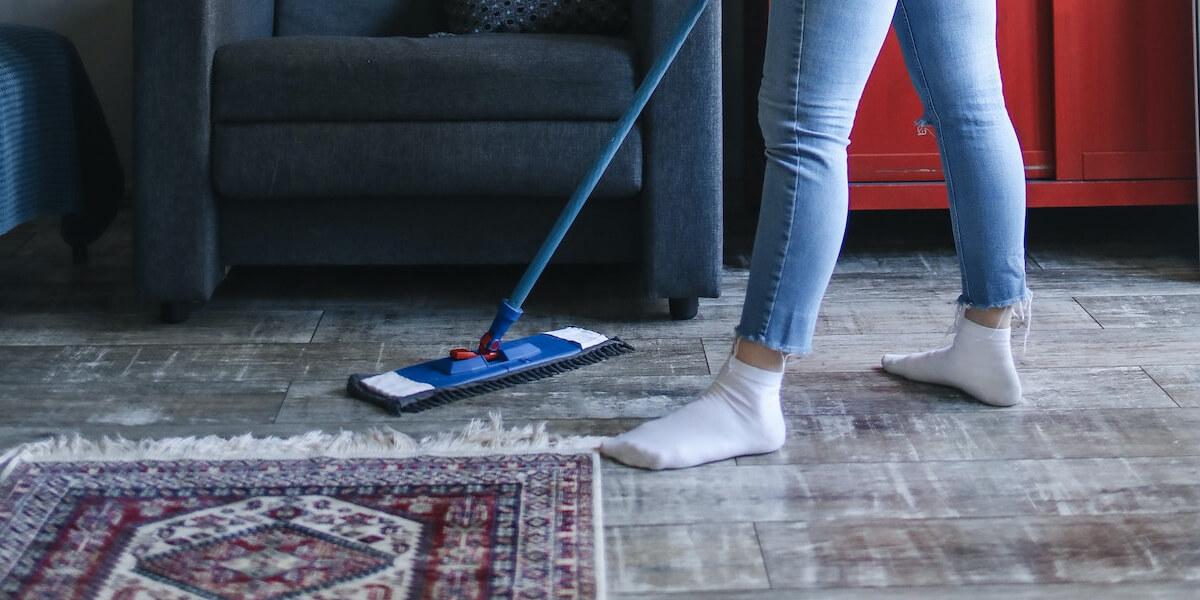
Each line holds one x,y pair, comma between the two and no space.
885,489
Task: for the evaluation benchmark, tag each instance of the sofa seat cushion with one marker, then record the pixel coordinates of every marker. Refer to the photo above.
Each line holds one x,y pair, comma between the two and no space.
470,77
418,158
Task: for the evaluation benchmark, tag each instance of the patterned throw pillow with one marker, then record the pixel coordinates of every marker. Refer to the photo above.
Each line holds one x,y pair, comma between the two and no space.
537,16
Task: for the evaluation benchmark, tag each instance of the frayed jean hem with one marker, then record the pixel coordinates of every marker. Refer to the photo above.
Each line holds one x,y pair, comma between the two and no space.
799,351
1024,299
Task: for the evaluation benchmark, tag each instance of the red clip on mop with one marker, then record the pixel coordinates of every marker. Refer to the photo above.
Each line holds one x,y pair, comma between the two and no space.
496,364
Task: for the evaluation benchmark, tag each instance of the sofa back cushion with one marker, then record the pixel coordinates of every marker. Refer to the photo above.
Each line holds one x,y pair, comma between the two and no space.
357,17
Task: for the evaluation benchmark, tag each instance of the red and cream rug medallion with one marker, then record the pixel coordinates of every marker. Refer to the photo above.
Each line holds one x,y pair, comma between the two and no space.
354,516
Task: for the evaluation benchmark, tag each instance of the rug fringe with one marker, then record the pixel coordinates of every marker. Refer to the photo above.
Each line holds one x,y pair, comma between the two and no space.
478,437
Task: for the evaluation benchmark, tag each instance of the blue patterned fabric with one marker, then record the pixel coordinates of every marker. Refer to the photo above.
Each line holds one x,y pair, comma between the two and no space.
56,154
36,127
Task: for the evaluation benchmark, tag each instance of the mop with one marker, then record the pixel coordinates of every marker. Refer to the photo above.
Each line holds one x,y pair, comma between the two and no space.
496,364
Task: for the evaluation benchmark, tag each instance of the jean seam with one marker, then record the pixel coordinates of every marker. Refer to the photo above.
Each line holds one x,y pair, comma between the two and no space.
787,240
950,189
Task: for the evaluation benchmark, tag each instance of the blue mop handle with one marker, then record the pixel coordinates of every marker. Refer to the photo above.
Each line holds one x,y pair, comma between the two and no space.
641,99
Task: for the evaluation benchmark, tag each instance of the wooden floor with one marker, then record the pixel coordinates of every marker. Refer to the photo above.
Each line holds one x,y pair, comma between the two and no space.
886,489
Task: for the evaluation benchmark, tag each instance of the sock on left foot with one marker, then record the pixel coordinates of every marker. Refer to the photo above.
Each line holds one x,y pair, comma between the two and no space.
738,415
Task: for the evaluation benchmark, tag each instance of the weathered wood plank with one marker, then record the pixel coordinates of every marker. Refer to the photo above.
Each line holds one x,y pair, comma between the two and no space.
909,288
1079,348
1178,310
1182,383
923,260
205,327
917,258
577,395
1116,254
684,558
876,392
343,326
467,325
1144,591
62,297
714,320
142,403
947,490
12,435
847,317
195,363
988,435
1051,282
588,394
271,362
1097,550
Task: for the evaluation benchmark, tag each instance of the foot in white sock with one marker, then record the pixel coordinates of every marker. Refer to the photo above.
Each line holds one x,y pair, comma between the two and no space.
979,362
738,415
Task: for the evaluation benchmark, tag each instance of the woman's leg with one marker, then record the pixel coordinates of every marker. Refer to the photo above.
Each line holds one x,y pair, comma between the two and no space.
950,49
819,56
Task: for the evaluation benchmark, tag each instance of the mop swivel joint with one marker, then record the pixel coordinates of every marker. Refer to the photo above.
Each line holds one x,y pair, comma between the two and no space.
490,343
506,316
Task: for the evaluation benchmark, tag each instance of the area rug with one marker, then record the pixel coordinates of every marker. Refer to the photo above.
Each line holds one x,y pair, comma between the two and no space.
488,513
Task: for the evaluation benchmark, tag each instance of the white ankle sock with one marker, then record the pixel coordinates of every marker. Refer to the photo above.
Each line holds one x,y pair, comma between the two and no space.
979,362
738,415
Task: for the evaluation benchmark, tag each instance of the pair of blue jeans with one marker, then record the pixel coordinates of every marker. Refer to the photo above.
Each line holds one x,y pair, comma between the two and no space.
820,54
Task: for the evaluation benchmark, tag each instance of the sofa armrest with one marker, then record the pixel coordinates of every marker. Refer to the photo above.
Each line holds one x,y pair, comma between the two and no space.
176,251
682,140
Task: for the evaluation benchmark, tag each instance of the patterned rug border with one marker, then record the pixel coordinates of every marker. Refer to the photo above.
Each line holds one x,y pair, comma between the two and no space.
477,438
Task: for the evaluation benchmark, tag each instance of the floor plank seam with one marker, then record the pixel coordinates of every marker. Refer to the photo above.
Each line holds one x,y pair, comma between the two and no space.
1162,387
317,327
762,555
1087,312
282,404
1032,257
704,353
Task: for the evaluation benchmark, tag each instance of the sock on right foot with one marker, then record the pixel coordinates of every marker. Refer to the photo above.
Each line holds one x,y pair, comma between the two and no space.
979,362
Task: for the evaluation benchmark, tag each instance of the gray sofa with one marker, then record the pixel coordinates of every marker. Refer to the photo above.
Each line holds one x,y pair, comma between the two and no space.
310,132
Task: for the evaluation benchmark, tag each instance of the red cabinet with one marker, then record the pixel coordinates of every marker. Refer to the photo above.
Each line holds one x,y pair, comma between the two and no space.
1100,92
1124,89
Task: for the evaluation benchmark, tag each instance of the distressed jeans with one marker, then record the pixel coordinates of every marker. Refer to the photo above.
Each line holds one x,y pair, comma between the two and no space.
819,56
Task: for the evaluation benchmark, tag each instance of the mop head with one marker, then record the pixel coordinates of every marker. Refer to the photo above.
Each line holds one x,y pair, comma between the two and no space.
437,382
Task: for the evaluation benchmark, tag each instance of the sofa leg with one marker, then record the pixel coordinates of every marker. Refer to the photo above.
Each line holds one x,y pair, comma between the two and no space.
684,309
174,313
